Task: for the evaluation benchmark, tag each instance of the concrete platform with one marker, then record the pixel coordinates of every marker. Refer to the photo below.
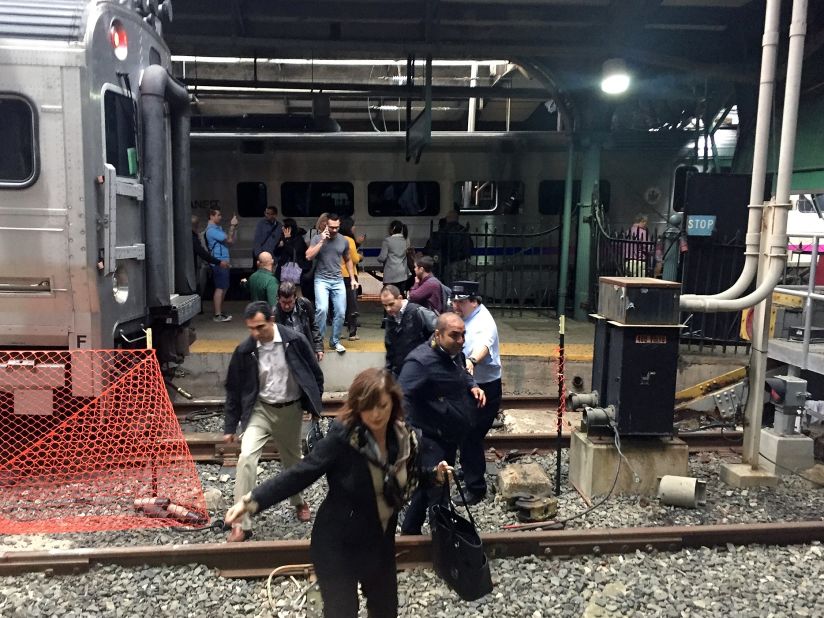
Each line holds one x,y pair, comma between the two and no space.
529,347
593,461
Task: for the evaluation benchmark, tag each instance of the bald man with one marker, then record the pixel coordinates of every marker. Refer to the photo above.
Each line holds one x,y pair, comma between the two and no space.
263,285
441,400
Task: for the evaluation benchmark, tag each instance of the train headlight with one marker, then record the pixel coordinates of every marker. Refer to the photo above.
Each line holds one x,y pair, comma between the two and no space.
119,39
120,285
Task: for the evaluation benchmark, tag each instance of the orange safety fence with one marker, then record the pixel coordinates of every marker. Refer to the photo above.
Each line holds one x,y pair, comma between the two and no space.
89,441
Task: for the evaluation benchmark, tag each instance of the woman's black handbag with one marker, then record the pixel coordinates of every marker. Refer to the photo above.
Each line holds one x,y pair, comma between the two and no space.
457,551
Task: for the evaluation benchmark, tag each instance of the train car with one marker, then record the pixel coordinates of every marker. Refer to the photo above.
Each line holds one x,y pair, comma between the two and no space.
501,181
95,241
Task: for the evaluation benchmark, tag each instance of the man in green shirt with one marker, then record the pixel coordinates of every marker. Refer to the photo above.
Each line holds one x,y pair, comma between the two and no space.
263,285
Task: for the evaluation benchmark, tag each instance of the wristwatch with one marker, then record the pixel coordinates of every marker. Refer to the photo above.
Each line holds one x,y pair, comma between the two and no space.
473,360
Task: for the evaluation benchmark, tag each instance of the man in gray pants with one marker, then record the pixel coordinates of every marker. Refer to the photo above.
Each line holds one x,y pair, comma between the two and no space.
273,376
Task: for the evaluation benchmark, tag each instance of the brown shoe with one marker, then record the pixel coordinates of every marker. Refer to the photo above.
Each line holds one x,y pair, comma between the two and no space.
238,535
303,512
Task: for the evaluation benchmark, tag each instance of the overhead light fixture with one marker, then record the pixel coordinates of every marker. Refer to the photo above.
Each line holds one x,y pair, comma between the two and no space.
615,78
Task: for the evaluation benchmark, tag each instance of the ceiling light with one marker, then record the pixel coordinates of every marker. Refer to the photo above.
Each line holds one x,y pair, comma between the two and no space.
615,78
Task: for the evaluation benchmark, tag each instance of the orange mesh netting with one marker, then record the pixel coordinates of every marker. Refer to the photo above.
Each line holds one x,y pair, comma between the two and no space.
89,441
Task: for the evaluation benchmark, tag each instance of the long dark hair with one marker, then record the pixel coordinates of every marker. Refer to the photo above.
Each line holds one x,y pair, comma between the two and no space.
365,393
346,227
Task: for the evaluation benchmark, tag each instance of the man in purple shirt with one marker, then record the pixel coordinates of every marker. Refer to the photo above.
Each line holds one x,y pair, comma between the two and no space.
427,290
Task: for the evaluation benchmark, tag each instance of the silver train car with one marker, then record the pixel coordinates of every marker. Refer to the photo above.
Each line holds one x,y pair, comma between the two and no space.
506,183
95,241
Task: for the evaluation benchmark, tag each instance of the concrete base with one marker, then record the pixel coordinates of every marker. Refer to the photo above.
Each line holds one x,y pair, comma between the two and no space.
790,453
592,464
742,476
528,478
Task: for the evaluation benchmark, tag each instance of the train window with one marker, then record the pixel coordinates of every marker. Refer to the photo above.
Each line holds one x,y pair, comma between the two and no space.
252,199
18,152
404,199
121,133
311,199
483,197
551,195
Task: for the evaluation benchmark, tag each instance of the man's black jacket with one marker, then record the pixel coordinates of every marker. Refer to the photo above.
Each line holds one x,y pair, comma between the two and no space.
302,319
416,327
436,393
242,378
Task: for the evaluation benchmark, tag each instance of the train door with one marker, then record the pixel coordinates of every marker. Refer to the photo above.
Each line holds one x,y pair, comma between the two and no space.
122,247
35,306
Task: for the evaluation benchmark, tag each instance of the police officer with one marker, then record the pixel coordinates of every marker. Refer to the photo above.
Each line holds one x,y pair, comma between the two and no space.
441,399
483,361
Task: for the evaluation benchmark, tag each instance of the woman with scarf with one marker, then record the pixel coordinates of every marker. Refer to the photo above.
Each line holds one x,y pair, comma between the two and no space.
370,459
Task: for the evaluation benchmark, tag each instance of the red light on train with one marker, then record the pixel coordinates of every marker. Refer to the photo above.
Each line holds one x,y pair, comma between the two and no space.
119,40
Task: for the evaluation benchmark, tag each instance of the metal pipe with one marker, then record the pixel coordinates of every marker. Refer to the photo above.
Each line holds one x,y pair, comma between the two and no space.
786,159
769,53
470,128
566,227
185,277
808,304
583,269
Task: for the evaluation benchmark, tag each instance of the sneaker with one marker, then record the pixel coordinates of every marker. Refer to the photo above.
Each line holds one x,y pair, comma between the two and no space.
221,317
303,512
339,348
353,337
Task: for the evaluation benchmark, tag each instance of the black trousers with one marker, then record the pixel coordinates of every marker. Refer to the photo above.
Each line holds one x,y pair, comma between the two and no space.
433,451
351,307
338,577
473,462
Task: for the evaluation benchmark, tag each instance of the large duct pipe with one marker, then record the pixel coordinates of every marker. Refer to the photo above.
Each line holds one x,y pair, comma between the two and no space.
769,53
775,246
157,88
185,278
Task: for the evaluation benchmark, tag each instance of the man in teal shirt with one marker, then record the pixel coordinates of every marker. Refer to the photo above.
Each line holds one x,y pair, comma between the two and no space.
263,285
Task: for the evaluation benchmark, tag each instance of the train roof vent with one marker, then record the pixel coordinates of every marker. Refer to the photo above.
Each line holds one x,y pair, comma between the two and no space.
45,19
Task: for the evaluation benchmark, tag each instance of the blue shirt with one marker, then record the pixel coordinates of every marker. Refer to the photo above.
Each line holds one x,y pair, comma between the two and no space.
216,241
482,331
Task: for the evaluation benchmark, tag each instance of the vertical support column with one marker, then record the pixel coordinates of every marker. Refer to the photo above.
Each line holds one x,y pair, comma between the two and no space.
589,178
566,228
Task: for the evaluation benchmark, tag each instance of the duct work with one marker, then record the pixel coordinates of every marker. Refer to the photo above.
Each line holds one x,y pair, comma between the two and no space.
156,89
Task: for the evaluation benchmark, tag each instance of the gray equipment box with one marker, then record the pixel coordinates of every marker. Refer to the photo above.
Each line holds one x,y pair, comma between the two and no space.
639,300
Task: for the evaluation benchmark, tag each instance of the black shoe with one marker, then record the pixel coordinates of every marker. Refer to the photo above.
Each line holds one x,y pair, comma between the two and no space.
471,499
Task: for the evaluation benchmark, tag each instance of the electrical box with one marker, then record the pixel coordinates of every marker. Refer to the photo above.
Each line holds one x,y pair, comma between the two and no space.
639,300
636,365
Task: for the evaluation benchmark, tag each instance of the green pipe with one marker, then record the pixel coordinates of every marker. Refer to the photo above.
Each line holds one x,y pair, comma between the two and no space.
589,179
566,227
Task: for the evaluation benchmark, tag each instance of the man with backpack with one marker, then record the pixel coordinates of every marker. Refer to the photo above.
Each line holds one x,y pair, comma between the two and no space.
428,291
407,326
217,242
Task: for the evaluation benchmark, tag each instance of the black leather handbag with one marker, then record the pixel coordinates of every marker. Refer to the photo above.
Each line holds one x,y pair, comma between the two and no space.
457,551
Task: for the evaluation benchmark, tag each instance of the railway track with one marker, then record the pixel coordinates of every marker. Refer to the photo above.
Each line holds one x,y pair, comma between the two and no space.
259,558
209,447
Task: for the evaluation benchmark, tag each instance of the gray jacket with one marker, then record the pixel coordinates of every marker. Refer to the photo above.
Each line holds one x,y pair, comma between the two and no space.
393,258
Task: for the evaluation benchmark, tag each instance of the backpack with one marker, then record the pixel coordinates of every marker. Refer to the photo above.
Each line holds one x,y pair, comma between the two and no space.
446,294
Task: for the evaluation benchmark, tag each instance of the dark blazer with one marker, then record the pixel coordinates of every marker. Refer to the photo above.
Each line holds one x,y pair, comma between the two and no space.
242,378
302,319
436,393
416,326
267,236
347,520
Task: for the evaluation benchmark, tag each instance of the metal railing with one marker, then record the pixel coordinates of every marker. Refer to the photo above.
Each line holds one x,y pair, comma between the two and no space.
516,266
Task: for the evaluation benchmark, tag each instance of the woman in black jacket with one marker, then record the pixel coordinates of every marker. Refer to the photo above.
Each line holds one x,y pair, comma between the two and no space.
293,249
371,464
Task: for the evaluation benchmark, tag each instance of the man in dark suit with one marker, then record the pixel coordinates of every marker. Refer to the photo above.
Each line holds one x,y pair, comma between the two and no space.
440,399
273,376
407,325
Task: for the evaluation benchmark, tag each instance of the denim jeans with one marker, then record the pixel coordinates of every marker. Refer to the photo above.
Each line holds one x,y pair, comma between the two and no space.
324,290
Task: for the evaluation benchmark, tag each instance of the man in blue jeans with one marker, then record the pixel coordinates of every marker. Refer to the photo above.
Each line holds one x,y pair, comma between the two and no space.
329,248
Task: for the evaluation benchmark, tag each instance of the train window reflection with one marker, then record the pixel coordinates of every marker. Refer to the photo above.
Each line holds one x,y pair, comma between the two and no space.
18,149
483,197
551,195
121,133
311,199
251,199
404,199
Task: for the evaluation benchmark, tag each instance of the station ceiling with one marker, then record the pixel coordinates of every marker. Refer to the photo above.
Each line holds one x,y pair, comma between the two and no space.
687,57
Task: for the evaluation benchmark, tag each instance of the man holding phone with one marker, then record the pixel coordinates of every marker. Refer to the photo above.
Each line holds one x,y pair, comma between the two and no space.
329,248
217,242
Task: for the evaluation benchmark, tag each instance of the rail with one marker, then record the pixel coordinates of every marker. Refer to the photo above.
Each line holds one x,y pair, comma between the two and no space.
260,558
